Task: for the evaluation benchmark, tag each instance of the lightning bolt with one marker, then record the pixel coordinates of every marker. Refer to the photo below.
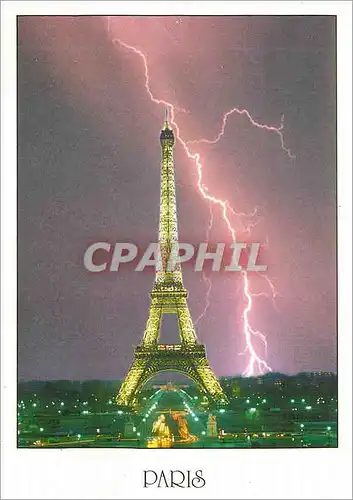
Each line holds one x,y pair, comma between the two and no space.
274,293
205,278
249,332
269,128
256,363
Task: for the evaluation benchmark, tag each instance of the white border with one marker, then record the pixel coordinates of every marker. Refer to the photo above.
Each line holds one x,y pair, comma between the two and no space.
118,473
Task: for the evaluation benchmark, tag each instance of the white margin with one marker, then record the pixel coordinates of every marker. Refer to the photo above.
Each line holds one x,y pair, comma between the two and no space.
316,473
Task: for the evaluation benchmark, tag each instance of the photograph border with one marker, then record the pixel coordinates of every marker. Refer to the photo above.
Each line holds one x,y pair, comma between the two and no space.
222,480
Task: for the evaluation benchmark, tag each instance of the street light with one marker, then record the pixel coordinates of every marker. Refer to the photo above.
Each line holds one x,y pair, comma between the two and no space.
329,435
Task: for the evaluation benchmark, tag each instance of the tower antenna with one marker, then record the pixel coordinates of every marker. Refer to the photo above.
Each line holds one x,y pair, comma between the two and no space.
166,116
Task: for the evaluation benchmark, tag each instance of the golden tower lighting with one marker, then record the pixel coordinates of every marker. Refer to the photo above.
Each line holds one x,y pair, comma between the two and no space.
169,296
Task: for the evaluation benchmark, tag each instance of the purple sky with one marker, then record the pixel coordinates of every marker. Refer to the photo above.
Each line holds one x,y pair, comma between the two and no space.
89,165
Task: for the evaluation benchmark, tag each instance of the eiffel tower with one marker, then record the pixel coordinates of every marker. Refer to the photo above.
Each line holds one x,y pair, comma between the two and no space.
168,296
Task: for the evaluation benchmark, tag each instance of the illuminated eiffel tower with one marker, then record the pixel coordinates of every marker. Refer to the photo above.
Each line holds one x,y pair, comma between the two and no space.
168,296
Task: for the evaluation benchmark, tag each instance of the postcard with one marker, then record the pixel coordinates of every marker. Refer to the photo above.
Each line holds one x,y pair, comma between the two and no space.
177,252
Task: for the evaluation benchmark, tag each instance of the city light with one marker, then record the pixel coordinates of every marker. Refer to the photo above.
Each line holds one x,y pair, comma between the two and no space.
254,414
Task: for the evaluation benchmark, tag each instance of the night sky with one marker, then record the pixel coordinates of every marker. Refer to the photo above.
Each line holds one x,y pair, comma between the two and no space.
89,165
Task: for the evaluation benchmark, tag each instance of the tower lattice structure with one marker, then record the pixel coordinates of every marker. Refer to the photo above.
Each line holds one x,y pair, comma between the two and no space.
169,296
